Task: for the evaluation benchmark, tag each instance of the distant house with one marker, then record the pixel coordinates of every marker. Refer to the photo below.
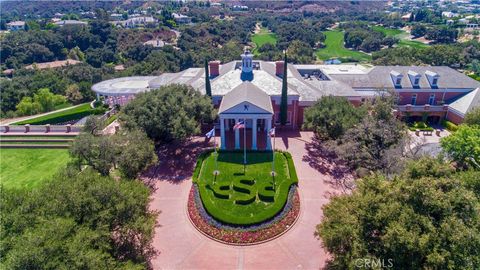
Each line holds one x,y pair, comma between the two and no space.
472,26
135,22
156,43
406,17
448,14
54,64
69,23
181,19
16,25
239,8
116,16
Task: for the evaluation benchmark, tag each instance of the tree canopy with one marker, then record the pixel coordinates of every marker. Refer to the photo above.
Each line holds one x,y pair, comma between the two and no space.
331,116
416,223
463,146
172,112
77,221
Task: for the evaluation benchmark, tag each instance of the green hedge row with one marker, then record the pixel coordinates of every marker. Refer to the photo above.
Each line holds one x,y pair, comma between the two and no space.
449,126
76,113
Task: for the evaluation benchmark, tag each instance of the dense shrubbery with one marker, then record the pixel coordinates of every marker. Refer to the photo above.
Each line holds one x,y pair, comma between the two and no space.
69,223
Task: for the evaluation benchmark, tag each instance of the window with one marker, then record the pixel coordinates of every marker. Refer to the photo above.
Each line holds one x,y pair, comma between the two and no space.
434,81
431,100
414,99
399,81
416,81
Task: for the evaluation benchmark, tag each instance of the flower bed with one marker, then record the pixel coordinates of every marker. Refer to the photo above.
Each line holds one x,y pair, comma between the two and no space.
243,235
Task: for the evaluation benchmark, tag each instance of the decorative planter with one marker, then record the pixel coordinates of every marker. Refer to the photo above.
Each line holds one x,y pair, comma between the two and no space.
243,235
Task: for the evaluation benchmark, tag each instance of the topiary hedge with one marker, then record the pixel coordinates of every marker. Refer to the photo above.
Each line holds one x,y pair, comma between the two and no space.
246,199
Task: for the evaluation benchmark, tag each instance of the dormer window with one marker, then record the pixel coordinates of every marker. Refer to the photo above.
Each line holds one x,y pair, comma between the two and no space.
396,78
414,78
432,78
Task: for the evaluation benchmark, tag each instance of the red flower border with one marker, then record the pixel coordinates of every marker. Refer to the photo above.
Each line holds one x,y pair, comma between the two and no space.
242,237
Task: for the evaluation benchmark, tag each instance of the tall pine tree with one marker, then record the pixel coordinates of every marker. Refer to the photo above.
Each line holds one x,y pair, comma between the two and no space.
284,100
208,87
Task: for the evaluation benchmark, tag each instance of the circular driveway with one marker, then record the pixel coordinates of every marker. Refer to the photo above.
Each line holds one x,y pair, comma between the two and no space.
180,246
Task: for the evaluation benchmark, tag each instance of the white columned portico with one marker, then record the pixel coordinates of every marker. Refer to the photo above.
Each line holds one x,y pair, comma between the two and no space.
268,127
222,134
254,133
237,135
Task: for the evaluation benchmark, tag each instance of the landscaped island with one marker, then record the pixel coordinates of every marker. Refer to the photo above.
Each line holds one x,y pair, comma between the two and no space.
244,207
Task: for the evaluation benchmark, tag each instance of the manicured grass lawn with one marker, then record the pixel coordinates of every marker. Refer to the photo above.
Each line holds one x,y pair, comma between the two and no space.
387,31
335,49
400,34
244,199
262,37
28,168
62,116
412,43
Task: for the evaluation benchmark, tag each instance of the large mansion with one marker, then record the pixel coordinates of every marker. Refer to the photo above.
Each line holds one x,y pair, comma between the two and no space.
250,89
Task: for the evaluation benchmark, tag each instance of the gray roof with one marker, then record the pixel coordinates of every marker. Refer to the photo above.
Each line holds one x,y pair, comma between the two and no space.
246,92
70,22
123,86
467,102
379,77
313,89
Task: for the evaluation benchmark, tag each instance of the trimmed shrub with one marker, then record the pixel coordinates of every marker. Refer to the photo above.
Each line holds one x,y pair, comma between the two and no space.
449,126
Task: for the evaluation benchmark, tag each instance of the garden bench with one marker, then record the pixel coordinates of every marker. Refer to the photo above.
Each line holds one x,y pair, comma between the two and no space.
427,133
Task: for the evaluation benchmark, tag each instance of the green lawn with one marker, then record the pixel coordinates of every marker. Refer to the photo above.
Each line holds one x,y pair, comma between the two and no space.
244,199
388,31
401,35
62,116
28,168
264,36
335,49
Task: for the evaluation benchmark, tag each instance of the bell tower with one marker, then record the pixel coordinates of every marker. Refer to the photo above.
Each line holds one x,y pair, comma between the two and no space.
247,62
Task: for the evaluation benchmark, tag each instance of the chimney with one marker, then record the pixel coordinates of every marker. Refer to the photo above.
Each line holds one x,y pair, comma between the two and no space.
279,68
214,67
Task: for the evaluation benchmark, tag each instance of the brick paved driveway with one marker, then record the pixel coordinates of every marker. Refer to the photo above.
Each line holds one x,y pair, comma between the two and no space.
181,246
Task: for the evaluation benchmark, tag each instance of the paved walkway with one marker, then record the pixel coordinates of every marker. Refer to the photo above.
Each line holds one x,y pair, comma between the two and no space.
180,246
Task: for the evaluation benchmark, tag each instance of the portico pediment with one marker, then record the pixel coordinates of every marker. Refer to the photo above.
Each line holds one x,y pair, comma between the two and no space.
246,99
245,107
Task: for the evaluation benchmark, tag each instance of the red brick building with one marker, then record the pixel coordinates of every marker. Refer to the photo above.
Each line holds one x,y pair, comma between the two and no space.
249,90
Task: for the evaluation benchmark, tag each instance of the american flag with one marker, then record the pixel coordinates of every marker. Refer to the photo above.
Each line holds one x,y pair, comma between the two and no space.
239,125
271,132
211,133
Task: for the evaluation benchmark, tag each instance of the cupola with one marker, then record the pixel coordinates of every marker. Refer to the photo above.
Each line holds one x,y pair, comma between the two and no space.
247,62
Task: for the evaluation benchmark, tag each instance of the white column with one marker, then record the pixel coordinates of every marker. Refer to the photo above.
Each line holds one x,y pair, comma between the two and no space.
237,136
254,133
98,97
268,127
227,127
222,133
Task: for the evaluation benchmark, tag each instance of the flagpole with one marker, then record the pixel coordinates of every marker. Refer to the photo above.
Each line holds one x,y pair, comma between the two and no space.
244,146
215,147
